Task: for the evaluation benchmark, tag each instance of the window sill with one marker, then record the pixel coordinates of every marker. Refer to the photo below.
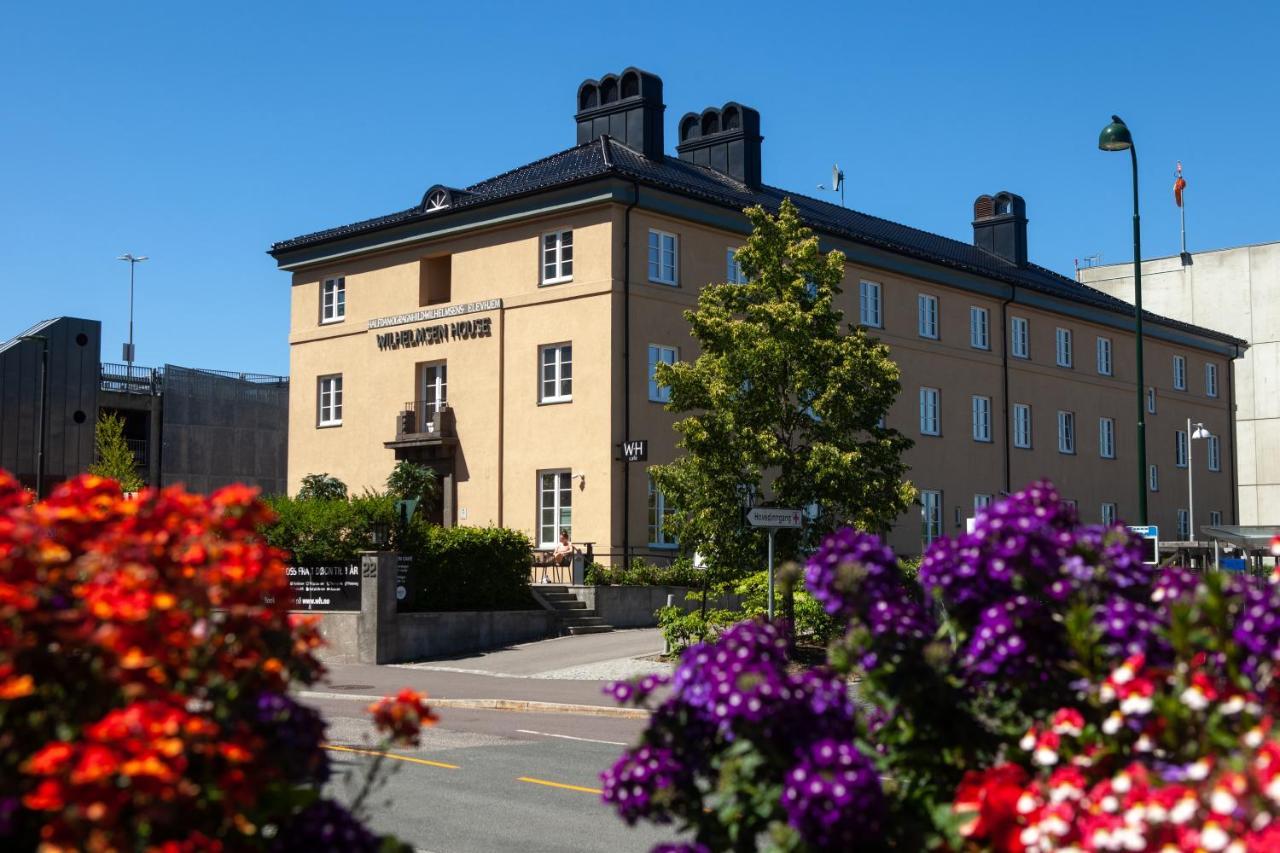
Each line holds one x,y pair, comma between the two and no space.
931,434
1022,447
328,424
555,401
664,283
979,349
333,320
1020,357
927,337
550,281
983,441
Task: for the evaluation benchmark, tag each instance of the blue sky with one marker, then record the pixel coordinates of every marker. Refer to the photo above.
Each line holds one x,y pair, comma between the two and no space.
200,134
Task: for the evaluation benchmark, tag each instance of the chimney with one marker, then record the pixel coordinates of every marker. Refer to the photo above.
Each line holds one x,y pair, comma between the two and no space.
725,139
627,106
1000,226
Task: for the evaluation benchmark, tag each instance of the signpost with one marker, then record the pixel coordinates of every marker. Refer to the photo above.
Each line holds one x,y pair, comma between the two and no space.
773,519
1150,534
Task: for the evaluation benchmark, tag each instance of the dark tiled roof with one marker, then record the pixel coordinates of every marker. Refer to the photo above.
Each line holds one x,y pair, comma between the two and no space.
605,158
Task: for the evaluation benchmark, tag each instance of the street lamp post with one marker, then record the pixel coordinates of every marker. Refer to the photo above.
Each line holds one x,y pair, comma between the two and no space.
43,417
1116,137
1199,433
128,348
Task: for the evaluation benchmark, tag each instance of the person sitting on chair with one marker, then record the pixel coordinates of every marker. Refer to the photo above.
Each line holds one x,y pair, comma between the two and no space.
561,556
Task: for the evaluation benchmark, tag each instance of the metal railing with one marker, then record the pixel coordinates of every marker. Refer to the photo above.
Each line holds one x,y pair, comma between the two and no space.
130,380
425,418
139,448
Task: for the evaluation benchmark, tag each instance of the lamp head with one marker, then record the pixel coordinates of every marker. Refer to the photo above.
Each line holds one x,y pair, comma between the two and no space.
1115,136
1199,431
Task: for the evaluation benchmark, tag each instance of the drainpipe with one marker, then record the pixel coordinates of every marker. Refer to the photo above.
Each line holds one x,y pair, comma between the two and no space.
1231,419
1004,371
626,370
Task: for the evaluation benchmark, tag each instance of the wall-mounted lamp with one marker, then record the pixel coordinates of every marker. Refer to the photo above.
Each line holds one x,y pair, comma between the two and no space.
582,481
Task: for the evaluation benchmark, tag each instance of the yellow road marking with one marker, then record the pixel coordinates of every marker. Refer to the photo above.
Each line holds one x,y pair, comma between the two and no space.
533,781
392,755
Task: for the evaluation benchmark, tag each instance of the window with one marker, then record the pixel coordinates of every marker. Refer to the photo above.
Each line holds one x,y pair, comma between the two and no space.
1107,438
660,513
1180,449
1179,373
981,502
333,300
1153,478
329,401
1021,425
435,280
1211,380
435,387
557,257
930,516
1215,518
1151,401
1108,513
928,316
869,304
929,411
555,507
979,328
981,418
557,373
1104,356
1066,432
660,355
733,273
1020,337
1214,448
664,257
1063,353
1184,526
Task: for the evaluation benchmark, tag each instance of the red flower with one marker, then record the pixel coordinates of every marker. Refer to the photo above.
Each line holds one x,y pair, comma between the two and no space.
403,717
988,801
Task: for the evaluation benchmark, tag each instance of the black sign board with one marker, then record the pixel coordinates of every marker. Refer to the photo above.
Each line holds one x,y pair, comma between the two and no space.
404,595
636,450
325,588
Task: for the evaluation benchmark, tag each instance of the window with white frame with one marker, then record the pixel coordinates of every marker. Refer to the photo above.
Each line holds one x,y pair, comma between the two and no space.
1020,337
733,273
1153,478
435,391
1184,526
659,354
1215,518
329,400
869,308
1108,513
1214,449
929,424
557,257
981,418
1180,449
1022,425
660,513
1104,356
930,516
1211,380
981,502
979,328
556,378
928,320
1063,351
1066,432
1151,401
1179,373
555,506
333,300
664,257
1107,438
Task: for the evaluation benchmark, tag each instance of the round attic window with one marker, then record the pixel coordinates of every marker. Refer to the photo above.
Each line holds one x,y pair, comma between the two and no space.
82,339
437,199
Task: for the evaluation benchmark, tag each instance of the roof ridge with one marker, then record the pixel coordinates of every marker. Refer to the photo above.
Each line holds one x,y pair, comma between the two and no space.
533,164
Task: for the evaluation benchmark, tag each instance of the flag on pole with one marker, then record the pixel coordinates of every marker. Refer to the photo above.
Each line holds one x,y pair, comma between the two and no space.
1179,185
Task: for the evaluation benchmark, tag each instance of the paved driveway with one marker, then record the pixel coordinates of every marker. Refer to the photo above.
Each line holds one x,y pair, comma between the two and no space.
589,657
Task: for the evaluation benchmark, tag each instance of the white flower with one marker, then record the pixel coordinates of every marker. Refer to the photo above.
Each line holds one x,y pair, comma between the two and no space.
1222,802
1194,698
1183,811
1213,838
1112,723
1198,771
1045,757
1028,741
1136,704
1233,706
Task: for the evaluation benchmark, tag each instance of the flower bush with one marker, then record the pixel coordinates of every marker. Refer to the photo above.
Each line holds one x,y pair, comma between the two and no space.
1037,688
146,657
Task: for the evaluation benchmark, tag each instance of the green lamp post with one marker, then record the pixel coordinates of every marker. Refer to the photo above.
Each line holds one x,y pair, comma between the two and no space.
1116,137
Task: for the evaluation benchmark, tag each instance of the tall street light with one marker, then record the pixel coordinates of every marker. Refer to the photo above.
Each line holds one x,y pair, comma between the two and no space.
1194,431
1116,137
128,348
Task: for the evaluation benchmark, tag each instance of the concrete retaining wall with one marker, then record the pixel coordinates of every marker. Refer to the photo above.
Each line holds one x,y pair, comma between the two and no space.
434,635
341,632
636,606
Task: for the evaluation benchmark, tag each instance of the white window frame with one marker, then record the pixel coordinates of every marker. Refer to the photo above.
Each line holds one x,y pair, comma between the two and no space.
560,254
1022,426
1066,432
435,388
927,319
930,516
1020,337
659,271
930,416
733,273
981,408
870,306
1184,525
558,363
1210,380
1179,448
1151,400
1179,373
1107,438
1215,518
1213,450
1153,478
658,515
1105,366
333,300
329,400
664,355
1108,513
981,502
1062,355
561,486
979,328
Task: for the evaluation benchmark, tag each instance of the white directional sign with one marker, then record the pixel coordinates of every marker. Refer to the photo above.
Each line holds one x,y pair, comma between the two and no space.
768,516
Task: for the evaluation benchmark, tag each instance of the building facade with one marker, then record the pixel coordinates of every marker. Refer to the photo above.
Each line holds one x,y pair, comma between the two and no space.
506,334
1233,290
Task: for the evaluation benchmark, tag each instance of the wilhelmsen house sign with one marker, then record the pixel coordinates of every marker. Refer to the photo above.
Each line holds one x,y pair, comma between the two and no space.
438,332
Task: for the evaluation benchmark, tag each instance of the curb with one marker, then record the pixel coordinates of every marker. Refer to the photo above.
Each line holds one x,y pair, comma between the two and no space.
525,705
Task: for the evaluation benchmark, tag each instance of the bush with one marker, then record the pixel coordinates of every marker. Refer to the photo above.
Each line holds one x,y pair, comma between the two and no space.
413,481
328,530
643,573
681,630
471,568
322,487
812,622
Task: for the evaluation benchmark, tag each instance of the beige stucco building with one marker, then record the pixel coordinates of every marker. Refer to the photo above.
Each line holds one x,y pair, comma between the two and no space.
505,333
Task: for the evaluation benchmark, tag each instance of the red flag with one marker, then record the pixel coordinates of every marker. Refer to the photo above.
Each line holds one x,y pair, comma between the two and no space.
1179,185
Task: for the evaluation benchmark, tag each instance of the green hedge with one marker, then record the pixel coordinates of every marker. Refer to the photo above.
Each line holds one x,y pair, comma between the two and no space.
470,568
323,530
643,573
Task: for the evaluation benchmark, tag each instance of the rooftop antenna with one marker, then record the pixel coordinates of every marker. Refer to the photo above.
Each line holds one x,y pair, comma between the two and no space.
1086,262
837,183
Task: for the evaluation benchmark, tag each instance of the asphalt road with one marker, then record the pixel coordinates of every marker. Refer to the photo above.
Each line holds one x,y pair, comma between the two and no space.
513,781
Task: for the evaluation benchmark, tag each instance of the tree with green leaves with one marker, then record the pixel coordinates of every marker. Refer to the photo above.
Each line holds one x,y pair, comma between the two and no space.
785,402
115,459
322,487
413,481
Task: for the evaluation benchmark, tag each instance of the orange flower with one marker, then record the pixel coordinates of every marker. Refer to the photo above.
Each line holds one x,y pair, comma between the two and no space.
402,718
17,686
50,759
96,763
47,797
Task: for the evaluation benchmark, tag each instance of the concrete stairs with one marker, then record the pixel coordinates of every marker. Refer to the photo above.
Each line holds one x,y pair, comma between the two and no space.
575,617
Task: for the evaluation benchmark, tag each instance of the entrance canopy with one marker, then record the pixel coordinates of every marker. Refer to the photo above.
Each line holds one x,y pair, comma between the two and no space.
1256,538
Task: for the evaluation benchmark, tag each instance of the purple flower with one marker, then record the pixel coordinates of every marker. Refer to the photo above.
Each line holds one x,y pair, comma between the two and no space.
833,798
637,690
641,783
1257,626
1130,628
325,825
681,847
298,732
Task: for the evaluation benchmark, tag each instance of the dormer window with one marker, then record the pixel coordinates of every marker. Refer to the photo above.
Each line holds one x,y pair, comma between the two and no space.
437,200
